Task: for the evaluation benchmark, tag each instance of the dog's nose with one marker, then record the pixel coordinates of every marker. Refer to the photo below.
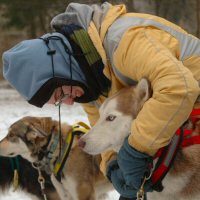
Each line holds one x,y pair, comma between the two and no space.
81,143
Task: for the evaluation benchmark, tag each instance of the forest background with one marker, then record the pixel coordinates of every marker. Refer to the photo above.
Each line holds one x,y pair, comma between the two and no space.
25,19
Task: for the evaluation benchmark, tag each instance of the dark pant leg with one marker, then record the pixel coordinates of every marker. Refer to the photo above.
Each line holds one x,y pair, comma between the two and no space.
124,198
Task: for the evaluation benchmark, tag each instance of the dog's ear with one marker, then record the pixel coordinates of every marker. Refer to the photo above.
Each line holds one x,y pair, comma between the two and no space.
43,123
35,133
143,90
18,128
46,124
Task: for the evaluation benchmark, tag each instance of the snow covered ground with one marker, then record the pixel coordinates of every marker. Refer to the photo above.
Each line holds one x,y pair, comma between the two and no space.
13,107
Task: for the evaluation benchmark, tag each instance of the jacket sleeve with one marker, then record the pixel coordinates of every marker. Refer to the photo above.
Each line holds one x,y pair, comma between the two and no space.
175,90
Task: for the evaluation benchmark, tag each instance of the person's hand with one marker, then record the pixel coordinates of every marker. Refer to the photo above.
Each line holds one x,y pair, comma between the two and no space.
116,177
128,171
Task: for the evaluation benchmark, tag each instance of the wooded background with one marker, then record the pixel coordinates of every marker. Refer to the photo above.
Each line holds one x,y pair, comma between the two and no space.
25,19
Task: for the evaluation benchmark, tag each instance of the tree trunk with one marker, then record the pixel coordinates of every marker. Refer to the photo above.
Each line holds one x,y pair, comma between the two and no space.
42,22
157,7
198,17
130,5
32,32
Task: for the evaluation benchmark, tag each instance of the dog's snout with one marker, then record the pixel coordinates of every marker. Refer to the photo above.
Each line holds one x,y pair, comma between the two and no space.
81,143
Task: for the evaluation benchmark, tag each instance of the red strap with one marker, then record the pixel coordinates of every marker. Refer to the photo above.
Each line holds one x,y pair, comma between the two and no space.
187,141
195,112
188,132
158,173
165,157
190,141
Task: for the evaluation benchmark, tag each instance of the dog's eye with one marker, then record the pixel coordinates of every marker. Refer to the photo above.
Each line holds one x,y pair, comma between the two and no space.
110,118
11,135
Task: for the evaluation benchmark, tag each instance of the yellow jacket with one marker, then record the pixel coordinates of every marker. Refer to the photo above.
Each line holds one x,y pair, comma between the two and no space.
134,45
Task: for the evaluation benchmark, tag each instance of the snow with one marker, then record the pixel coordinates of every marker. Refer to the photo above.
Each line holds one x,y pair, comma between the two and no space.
13,107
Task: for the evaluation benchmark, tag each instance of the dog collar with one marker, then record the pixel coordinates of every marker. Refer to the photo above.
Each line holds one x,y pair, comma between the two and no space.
77,129
52,145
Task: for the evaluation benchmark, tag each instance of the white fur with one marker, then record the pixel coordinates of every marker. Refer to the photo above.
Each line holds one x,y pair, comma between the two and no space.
8,189
63,193
12,149
106,135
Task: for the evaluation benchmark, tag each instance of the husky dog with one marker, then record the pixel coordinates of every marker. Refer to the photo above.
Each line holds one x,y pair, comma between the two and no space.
28,181
81,177
116,115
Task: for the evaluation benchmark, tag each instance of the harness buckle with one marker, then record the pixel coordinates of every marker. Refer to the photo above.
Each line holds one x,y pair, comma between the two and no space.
141,192
41,179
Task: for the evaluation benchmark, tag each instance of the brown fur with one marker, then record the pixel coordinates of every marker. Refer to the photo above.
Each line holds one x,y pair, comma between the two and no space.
183,179
82,167
188,160
130,94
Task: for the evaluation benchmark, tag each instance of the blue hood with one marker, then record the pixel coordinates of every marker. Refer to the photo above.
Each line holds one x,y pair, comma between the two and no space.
28,67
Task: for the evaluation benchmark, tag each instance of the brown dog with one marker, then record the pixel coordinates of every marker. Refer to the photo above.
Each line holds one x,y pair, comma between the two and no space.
116,116
81,176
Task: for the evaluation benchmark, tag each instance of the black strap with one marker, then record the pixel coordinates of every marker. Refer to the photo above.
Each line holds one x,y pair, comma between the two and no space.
125,198
58,176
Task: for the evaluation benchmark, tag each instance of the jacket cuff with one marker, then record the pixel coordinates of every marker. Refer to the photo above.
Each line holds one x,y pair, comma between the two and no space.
133,151
137,145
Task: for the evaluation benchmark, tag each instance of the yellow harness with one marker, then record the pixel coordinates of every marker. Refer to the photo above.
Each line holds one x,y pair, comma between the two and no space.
78,128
